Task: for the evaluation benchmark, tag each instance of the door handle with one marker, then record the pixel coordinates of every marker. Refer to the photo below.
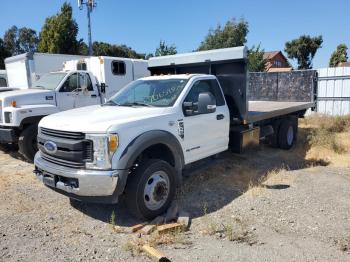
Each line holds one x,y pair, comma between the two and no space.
220,117
93,95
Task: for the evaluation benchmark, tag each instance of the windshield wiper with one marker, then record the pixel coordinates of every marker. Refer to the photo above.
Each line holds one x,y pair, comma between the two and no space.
110,102
136,104
42,87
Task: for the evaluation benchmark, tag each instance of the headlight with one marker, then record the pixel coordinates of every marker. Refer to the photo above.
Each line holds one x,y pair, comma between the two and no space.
104,147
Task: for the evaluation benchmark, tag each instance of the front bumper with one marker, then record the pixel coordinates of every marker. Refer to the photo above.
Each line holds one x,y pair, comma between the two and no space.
8,135
81,184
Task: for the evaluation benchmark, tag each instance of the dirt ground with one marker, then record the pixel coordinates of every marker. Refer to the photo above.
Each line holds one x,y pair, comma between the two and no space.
267,205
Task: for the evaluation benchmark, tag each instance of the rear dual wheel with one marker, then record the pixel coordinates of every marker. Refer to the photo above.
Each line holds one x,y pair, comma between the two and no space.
286,134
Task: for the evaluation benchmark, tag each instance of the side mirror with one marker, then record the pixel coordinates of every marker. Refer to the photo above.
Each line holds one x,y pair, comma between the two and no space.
206,103
103,87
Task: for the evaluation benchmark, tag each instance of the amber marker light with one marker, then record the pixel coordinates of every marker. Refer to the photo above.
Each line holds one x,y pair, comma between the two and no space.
113,143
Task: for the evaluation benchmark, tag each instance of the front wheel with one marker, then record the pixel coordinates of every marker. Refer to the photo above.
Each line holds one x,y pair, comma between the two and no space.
150,189
27,142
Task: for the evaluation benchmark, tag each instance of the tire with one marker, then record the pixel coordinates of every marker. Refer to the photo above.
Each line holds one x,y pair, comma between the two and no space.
27,142
273,139
150,189
286,134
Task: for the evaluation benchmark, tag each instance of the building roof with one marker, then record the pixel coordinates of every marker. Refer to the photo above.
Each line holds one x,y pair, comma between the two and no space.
271,54
344,64
279,69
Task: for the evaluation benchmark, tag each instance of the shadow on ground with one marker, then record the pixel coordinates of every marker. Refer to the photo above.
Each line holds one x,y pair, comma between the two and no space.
216,183
12,150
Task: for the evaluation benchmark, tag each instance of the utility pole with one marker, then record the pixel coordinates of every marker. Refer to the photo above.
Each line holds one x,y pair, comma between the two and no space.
90,5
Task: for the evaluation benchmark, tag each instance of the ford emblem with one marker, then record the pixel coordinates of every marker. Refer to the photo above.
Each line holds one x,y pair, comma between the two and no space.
50,147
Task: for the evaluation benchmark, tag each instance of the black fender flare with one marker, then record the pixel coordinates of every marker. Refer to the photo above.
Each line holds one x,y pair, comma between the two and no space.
142,142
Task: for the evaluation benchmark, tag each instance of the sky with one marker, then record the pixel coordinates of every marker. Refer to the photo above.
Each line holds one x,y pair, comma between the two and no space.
142,24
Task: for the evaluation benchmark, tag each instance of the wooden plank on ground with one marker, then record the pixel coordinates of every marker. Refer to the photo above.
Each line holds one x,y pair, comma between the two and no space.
169,227
155,254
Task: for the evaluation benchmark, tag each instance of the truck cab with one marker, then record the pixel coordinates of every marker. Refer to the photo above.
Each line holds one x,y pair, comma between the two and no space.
87,153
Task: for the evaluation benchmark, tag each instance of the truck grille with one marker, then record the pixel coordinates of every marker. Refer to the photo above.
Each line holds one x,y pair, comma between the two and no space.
62,134
73,150
62,162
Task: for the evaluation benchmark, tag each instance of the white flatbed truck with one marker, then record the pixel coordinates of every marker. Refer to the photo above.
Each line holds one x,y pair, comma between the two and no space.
139,143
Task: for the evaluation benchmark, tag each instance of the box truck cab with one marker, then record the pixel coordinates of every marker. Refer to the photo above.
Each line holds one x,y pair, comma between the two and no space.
83,82
139,143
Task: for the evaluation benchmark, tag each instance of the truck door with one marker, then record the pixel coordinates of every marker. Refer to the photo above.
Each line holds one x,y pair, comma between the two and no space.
66,96
206,134
77,91
86,94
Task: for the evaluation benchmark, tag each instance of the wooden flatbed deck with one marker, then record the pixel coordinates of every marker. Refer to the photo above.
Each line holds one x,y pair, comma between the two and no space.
262,110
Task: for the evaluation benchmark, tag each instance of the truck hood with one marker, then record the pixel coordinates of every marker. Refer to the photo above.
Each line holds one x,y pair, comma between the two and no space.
98,119
28,97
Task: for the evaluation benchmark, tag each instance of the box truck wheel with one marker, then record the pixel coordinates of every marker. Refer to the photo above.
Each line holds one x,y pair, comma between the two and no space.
286,134
27,142
150,189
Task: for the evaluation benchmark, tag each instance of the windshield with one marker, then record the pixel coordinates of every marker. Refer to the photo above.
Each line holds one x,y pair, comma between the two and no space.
49,81
159,93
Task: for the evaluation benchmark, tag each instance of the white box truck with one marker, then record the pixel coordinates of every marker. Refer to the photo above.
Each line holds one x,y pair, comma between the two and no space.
24,69
83,82
139,143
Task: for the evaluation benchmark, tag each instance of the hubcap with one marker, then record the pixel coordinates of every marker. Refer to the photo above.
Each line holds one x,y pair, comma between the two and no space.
290,135
156,190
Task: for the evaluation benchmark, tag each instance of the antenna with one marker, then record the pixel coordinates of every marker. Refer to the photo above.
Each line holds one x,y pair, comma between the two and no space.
90,5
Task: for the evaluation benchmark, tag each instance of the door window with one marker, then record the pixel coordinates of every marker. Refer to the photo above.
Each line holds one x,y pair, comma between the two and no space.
205,86
77,82
85,82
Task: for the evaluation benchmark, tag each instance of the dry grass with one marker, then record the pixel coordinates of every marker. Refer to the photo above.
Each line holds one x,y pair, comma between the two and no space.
328,139
275,176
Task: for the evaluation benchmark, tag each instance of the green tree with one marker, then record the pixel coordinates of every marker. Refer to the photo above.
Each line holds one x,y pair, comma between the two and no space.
11,40
231,35
303,49
256,60
339,55
59,33
20,40
165,49
28,39
83,48
106,49
3,54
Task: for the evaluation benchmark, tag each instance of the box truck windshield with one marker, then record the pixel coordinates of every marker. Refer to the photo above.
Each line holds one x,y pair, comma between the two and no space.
49,81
